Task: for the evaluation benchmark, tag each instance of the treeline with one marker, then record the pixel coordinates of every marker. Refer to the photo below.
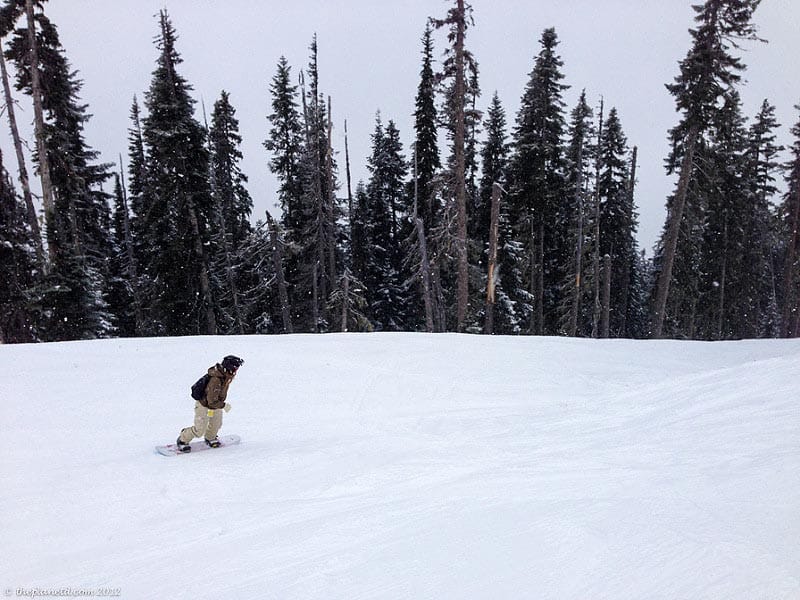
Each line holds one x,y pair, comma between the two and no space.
479,225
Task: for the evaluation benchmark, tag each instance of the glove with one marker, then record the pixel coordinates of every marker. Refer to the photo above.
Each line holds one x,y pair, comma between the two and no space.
227,407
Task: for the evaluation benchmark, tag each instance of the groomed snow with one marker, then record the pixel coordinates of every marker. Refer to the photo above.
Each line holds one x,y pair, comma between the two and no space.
406,466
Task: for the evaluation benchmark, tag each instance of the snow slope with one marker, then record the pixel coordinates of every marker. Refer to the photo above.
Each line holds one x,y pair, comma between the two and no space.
406,466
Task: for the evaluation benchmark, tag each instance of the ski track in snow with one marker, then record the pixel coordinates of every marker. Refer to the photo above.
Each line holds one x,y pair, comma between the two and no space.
407,466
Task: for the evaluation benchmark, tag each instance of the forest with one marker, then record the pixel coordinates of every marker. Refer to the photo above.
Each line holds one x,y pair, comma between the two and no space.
486,223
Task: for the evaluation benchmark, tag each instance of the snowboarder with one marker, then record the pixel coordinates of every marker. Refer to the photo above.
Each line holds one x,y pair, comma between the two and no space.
208,410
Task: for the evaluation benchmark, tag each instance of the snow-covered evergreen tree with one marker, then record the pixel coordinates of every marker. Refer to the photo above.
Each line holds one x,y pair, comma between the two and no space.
386,214
232,207
426,146
177,224
285,143
512,301
758,308
618,220
18,268
708,72
578,220
538,182
77,228
789,216
121,295
315,233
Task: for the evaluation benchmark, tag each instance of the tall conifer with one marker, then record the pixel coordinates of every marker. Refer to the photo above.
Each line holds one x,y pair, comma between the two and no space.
706,73
180,217
789,216
537,181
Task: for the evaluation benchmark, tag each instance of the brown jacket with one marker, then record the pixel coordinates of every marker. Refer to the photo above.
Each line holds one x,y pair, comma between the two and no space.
217,388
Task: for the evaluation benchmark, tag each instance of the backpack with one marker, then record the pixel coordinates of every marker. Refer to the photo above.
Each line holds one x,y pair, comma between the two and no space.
199,387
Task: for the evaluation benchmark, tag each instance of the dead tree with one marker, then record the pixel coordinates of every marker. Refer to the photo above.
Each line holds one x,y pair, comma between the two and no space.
673,231
33,222
38,120
488,327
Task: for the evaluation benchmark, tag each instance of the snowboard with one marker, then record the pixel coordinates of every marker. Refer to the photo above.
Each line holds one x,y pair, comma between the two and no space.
199,445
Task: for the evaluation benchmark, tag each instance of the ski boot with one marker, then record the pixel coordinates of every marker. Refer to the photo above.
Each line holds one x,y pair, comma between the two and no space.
182,447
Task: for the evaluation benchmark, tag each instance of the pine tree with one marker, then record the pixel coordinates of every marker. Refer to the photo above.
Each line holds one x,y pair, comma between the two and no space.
232,208
726,207
513,302
138,191
384,273
576,317
426,145
285,143
537,182
178,222
789,216
77,222
360,237
708,70
617,220
141,201
121,295
494,162
18,268
758,308
6,23
313,269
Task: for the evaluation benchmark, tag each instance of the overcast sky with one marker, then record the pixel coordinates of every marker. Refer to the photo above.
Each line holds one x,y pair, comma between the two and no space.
369,56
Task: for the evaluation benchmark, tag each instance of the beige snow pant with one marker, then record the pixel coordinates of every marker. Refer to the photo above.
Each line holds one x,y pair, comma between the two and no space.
206,424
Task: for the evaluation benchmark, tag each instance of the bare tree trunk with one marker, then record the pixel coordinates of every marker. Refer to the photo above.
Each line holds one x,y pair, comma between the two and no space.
722,280
315,296
460,162
33,222
537,278
488,326
320,254
789,297
237,311
673,231
425,268
606,314
202,258
345,303
540,283
596,256
347,169
277,263
576,296
627,265
38,114
440,323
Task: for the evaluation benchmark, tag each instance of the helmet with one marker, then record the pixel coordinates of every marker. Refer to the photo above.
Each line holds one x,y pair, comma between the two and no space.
230,363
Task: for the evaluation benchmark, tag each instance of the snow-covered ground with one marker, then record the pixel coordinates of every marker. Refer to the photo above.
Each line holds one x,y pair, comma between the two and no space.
406,466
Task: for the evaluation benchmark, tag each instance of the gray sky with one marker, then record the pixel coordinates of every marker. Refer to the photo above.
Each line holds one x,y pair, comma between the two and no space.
624,50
